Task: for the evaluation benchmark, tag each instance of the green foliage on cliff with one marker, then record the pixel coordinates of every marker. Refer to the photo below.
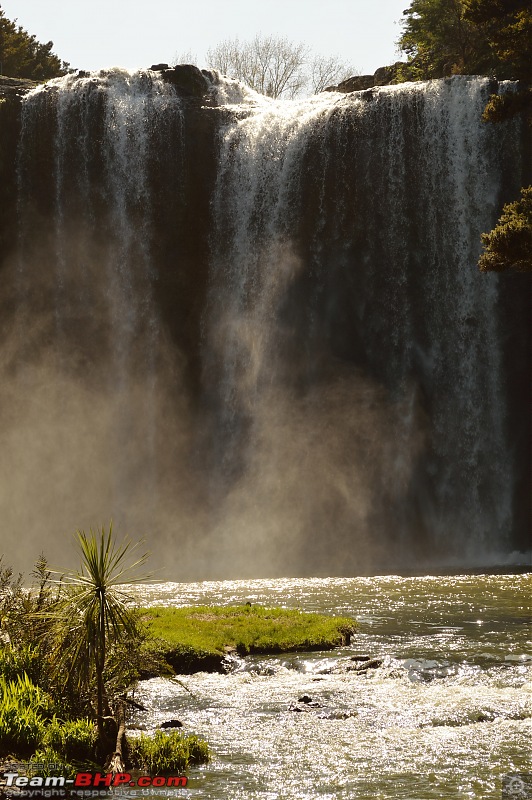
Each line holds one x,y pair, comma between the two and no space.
508,247
22,56
468,37
505,30
438,40
501,107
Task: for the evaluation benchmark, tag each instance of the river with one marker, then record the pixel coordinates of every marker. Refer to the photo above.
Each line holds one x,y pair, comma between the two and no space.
445,715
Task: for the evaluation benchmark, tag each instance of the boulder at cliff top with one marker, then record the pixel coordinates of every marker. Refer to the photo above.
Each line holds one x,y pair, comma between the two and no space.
383,76
187,79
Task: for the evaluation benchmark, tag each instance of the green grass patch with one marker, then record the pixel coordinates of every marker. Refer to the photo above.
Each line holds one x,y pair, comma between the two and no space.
167,752
246,629
20,661
29,726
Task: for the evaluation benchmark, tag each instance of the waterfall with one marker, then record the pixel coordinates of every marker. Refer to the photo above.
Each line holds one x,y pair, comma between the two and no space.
85,248
351,230
265,319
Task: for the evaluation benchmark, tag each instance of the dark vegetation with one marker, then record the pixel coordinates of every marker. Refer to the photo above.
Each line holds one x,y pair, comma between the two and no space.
22,56
467,37
508,247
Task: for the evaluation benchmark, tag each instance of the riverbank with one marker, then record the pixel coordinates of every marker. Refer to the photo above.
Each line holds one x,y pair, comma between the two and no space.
201,638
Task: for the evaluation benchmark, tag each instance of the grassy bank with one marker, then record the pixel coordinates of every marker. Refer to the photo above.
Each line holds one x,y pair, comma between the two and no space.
198,637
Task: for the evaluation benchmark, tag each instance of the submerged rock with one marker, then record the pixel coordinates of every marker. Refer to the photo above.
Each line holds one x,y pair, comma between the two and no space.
365,665
374,663
336,713
305,703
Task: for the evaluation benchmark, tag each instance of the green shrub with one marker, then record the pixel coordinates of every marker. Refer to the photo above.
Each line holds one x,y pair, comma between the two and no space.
47,761
15,662
73,740
23,693
167,752
21,729
24,708
508,247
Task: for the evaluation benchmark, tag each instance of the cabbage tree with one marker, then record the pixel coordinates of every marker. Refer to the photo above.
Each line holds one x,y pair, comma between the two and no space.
95,611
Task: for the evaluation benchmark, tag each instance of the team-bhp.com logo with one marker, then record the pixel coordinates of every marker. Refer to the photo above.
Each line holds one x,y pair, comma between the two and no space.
88,781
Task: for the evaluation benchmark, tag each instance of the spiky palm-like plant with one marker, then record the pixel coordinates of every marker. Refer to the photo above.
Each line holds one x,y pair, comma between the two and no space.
94,611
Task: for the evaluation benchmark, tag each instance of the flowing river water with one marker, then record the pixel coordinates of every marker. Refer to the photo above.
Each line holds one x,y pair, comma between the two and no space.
446,715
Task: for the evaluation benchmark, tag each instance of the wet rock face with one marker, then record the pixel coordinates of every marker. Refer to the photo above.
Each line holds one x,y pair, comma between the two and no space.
178,174
11,92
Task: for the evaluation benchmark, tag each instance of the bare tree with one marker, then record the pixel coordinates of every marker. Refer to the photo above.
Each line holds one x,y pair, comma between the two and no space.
271,65
186,57
330,71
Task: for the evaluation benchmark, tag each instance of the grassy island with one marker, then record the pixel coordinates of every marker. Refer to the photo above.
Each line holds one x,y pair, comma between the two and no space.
198,638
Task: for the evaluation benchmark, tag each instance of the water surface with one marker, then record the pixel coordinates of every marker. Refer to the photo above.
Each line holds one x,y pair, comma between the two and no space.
446,714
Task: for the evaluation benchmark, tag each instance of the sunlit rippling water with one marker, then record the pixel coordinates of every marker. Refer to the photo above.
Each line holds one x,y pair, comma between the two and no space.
446,715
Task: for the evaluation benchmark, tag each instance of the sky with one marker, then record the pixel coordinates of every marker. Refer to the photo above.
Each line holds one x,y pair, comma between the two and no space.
133,34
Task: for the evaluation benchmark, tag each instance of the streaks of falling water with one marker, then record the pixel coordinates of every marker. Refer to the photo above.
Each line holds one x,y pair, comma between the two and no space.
105,139
411,179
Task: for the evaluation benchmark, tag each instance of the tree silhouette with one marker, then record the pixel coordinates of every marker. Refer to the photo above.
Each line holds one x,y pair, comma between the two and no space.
22,56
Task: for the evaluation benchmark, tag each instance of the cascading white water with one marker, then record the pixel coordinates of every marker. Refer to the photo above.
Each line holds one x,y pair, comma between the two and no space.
94,267
264,319
393,188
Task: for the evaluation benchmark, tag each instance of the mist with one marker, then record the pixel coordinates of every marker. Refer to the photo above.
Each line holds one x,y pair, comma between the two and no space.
276,479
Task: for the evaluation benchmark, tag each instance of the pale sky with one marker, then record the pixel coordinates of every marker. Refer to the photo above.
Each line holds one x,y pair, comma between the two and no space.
94,34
